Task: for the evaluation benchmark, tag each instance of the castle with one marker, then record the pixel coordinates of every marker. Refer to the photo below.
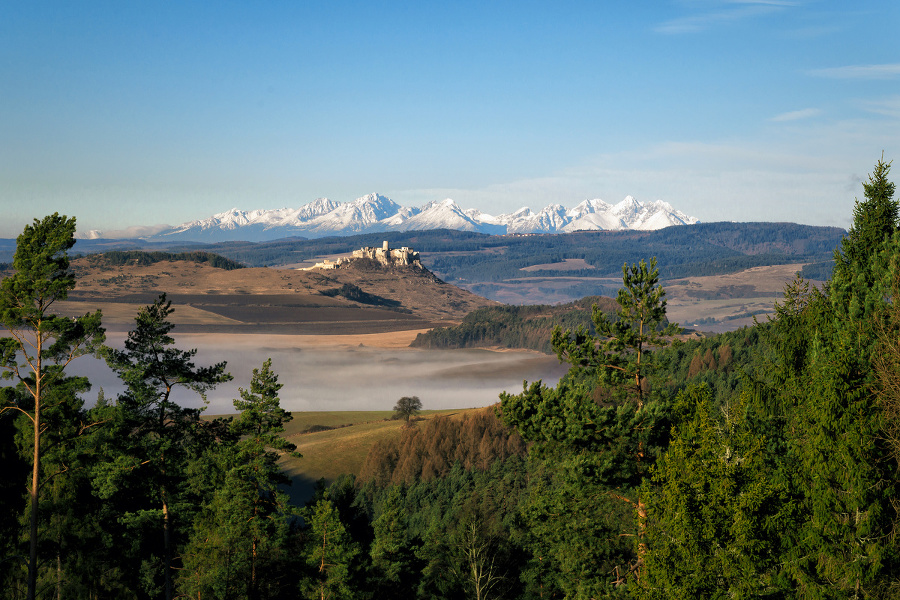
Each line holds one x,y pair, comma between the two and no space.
384,255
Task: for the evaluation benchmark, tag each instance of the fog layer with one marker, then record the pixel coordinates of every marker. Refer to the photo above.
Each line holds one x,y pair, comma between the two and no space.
347,378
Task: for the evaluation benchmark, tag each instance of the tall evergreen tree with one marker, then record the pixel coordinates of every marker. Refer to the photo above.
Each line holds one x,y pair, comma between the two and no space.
837,461
717,518
621,348
393,550
243,528
602,425
862,264
41,344
160,431
331,554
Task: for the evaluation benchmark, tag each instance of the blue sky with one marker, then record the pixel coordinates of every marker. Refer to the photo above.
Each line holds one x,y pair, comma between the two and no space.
138,113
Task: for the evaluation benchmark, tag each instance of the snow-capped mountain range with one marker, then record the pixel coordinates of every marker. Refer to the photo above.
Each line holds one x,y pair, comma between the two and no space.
376,213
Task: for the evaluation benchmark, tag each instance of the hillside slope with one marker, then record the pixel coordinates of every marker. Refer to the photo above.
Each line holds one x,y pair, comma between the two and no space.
359,299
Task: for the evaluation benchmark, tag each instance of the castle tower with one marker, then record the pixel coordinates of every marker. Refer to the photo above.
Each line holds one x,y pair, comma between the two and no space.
385,247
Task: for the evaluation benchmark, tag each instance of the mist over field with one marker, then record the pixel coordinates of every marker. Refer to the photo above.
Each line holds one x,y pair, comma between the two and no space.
318,378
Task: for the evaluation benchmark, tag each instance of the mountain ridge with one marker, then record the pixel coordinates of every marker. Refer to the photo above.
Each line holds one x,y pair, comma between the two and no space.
375,213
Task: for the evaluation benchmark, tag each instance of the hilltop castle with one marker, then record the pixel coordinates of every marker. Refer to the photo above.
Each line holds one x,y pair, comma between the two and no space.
384,255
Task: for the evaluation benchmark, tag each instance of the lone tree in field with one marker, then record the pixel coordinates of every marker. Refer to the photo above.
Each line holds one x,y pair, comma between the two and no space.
406,407
41,344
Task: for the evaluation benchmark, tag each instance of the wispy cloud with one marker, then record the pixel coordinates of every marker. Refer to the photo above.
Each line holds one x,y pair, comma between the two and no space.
730,11
797,115
889,107
137,231
888,71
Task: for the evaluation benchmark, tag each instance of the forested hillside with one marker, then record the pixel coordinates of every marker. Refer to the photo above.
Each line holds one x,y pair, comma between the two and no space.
762,463
513,326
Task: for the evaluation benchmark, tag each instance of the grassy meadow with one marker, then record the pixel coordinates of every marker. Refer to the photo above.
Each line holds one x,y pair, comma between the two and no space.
341,449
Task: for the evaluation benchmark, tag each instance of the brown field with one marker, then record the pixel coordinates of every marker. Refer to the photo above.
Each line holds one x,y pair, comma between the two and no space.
568,264
714,303
731,300
268,301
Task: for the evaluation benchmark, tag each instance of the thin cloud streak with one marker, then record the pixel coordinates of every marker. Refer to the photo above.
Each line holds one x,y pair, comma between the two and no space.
889,107
887,71
702,22
797,115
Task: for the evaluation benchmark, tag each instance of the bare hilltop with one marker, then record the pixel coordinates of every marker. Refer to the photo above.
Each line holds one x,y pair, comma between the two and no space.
360,298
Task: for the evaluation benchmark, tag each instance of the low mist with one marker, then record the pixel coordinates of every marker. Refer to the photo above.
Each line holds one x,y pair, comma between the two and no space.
332,378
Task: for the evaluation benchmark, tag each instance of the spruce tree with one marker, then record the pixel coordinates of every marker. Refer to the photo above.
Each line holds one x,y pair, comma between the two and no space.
838,462
717,514
863,263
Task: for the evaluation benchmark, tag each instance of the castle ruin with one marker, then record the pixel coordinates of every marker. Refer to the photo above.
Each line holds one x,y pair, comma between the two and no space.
384,255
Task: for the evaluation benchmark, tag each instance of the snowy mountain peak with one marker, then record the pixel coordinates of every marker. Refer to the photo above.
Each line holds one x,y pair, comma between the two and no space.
376,213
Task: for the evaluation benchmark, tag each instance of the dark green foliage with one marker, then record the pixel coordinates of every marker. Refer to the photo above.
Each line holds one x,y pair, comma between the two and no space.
820,271
721,362
160,436
394,564
527,327
41,345
407,407
602,428
239,539
330,554
716,521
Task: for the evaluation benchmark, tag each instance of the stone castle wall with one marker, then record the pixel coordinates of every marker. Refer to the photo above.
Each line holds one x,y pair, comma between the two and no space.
385,255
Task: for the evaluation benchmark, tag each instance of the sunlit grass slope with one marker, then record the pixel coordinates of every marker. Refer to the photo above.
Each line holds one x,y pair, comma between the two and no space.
330,453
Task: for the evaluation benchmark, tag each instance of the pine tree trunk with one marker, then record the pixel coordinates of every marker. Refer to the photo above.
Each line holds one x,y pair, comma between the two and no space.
253,569
35,472
32,555
642,544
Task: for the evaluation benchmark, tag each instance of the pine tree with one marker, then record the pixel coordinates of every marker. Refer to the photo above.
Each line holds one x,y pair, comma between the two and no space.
246,522
161,431
602,426
41,344
621,347
331,554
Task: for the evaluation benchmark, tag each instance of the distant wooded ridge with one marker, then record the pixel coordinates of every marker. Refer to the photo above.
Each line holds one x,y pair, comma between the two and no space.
142,257
458,256
515,326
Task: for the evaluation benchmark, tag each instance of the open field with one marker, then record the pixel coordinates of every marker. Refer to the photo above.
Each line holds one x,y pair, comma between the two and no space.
727,302
334,452
567,264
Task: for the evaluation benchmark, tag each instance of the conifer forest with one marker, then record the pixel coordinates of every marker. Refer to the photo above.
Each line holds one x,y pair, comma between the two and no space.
760,463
